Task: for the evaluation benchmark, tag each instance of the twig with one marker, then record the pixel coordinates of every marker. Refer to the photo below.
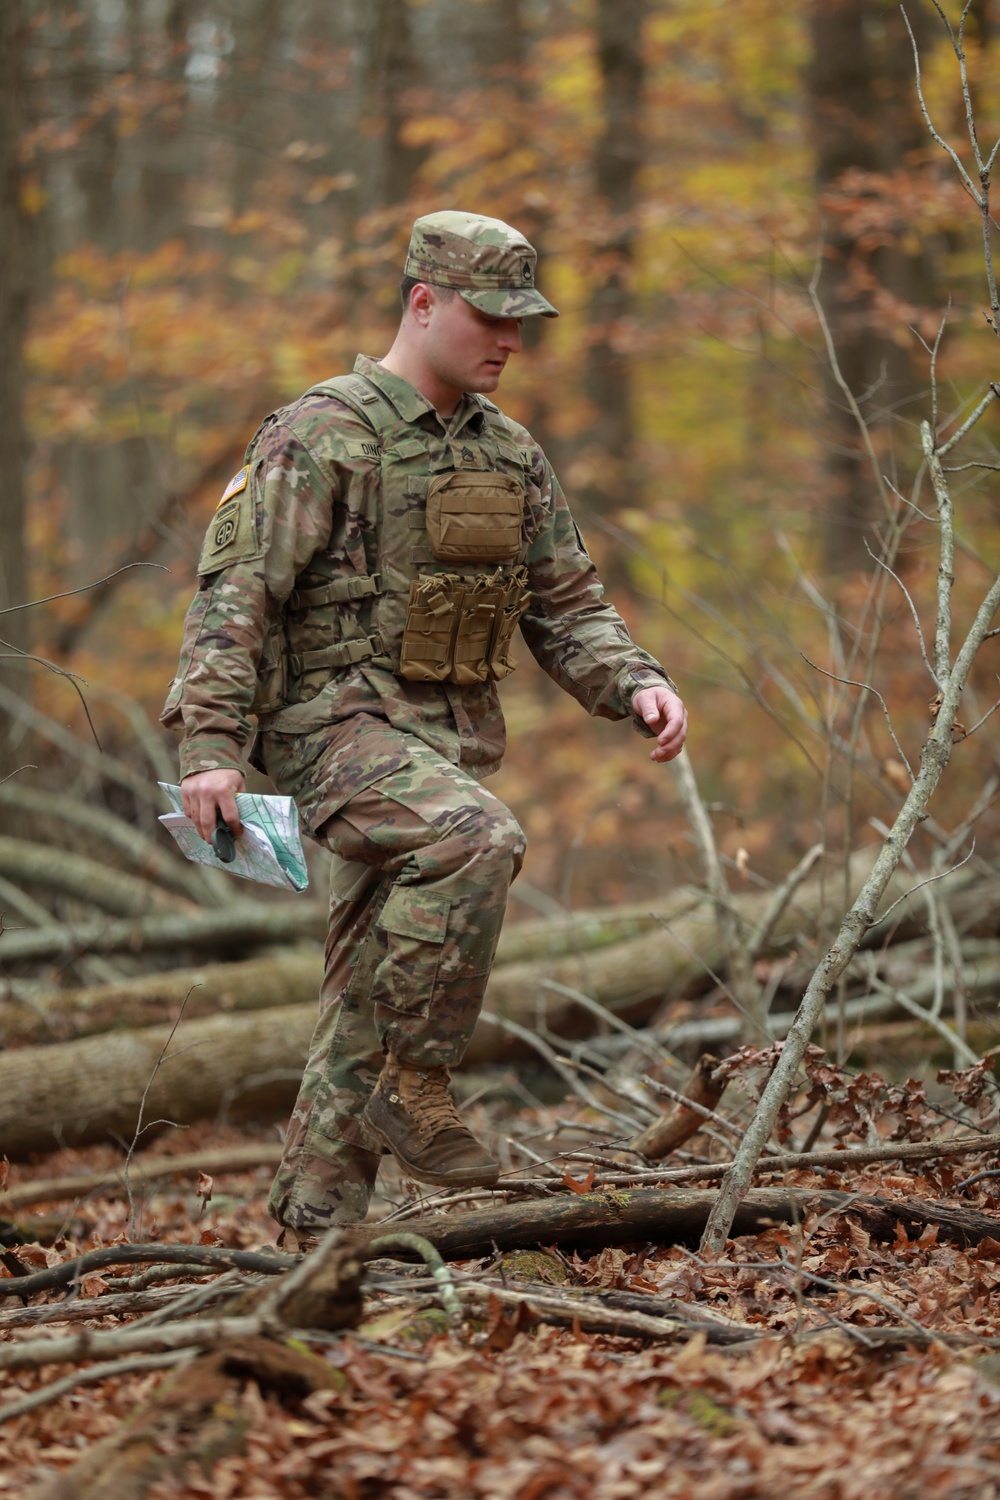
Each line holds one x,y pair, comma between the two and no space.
734,951
568,1312
574,1083
961,1050
691,1104
111,1368
604,1079
979,1177
139,1126
141,1281
868,688
858,1292
913,611
966,179
645,1044
160,1304
14,653
987,796
848,394
981,721
203,1333
839,1160
780,899
84,588
920,885
102,765
210,1256
227,1159
417,1245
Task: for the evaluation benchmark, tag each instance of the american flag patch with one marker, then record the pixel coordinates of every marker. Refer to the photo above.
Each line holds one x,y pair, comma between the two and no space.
237,483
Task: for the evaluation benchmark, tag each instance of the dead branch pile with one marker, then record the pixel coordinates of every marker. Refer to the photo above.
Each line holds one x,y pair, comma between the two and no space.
78,1062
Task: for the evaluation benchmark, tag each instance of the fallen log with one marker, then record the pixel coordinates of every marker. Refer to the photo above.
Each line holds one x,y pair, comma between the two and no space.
102,828
290,978
674,1216
286,979
229,1159
703,1090
681,943
522,942
84,879
90,1089
249,924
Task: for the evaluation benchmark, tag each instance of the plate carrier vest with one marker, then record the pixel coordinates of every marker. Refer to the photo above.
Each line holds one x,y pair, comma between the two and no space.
430,611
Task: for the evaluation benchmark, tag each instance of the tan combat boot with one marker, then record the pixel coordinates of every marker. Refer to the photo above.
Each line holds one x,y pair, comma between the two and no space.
413,1114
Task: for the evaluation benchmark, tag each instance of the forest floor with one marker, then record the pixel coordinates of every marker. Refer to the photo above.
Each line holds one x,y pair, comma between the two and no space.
814,1403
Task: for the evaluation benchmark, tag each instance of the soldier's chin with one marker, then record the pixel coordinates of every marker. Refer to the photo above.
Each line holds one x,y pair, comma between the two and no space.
485,380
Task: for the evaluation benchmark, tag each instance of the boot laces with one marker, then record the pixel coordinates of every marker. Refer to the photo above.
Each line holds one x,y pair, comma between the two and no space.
432,1106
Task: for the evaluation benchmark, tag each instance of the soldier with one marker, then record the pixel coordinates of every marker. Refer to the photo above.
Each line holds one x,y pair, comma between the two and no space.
359,588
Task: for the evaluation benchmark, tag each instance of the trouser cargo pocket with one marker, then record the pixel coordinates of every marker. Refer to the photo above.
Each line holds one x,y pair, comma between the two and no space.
411,931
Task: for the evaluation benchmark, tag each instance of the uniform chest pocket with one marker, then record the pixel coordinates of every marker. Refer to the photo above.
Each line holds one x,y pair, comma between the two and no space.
474,516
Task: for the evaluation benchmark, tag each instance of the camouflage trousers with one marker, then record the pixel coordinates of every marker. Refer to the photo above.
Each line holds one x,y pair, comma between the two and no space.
424,859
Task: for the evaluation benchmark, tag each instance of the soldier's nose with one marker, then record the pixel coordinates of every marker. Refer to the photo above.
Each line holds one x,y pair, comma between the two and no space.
510,336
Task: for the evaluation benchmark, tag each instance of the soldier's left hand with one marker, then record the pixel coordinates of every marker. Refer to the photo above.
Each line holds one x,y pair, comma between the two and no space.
666,716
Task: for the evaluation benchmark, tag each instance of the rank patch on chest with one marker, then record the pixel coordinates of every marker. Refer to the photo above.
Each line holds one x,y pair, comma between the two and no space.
235,485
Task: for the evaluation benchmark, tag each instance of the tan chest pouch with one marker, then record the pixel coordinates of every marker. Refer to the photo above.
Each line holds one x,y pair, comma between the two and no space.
460,629
474,516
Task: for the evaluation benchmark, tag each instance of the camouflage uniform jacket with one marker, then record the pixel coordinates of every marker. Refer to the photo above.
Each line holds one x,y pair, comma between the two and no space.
307,507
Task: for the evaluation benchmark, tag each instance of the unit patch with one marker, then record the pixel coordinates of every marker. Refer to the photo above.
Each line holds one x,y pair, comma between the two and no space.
231,536
237,483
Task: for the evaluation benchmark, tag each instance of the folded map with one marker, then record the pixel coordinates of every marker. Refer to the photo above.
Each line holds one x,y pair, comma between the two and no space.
268,850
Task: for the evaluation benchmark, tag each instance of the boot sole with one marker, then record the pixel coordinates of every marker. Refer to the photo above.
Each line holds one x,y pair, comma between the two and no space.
468,1178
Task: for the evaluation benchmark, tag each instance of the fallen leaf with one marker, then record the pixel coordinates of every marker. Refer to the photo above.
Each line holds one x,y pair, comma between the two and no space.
204,1189
585,1186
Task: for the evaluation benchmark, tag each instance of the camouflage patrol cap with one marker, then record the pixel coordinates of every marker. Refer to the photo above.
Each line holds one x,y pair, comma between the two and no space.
488,263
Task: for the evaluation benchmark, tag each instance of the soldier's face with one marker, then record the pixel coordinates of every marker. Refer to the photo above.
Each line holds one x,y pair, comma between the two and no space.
466,348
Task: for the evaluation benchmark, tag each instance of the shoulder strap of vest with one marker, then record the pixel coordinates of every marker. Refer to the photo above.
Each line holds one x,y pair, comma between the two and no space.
493,416
362,396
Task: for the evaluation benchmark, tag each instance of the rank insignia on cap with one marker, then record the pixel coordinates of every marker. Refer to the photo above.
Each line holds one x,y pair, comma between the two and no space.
527,272
235,485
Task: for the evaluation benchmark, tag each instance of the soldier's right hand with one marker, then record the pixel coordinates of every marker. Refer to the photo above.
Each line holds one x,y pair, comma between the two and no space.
205,791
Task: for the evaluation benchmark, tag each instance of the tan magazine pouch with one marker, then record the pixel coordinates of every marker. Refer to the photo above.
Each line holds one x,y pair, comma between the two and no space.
482,601
428,646
460,629
512,606
474,516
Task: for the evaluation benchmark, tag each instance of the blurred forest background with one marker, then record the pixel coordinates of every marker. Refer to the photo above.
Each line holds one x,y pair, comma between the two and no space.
204,208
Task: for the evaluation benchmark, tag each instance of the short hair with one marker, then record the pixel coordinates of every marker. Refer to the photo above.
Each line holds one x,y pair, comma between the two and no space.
443,293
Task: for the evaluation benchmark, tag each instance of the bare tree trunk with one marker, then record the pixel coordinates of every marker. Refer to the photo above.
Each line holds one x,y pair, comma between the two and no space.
865,120
162,144
256,32
13,314
611,449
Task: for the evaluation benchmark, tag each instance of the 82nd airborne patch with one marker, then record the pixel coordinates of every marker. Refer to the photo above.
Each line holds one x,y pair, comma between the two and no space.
232,533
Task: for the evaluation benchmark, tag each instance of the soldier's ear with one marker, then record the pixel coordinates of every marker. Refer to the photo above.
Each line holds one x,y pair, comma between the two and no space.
422,299
420,302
